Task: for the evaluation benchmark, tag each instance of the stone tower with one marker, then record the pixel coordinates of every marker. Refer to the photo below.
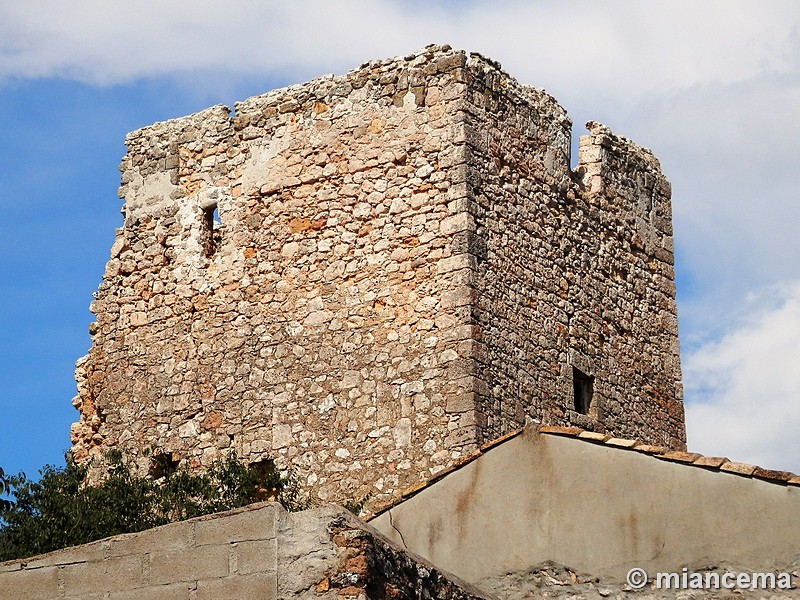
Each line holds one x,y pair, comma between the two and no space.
365,277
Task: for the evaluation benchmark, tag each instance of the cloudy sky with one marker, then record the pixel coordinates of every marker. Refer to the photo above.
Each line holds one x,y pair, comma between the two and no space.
713,87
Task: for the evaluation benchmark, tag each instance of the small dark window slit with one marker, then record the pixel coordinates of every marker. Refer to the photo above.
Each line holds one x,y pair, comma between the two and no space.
162,465
582,385
211,233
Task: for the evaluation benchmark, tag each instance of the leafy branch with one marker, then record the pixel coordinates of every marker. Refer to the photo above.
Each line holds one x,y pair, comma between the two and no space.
62,509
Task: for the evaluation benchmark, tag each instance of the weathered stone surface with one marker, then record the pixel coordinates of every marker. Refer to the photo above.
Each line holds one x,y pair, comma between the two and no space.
367,277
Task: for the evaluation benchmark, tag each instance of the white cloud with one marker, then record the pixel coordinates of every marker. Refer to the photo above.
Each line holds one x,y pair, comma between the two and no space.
743,389
632,46
730,152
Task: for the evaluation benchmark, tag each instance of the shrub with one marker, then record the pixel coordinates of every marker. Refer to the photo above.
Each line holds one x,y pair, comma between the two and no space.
62,509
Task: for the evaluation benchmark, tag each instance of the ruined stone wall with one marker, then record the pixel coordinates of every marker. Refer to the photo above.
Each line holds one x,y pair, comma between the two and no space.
394,278
624,329
319,330
569,270
518,151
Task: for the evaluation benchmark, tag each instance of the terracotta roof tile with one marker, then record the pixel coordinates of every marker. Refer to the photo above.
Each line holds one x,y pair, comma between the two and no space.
678,456
738,468
502,439
688,458
713,462
410,491
772,475
442,473
558,430
621,443
593,436
467,458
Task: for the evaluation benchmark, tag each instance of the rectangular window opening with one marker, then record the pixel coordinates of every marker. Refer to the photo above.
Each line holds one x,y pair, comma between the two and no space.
582,387
211,233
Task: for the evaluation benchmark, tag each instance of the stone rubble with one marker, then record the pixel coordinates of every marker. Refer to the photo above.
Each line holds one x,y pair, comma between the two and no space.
551,580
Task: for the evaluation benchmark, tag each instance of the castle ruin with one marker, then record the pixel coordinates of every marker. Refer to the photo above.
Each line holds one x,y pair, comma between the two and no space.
367,276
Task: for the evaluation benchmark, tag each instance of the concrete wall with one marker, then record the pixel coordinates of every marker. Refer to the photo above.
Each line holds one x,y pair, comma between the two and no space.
204,556
599,509
258,553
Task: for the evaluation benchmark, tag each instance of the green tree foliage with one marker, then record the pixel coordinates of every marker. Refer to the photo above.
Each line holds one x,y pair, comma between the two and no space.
62,509
4,488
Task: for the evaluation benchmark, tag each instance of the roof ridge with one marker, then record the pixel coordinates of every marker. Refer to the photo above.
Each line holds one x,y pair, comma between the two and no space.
713,463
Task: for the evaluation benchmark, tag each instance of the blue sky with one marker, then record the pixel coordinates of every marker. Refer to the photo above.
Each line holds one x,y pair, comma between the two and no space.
712,87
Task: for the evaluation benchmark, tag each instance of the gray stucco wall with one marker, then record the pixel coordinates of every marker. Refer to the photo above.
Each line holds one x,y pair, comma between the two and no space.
599,509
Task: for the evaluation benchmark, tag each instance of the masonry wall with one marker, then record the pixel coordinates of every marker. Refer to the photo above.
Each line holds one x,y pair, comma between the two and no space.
624,325
404,267
260,552
319,331
568,270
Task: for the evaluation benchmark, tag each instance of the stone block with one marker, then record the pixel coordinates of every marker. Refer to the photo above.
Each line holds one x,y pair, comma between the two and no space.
458,403
189,564
258,524
259,586
30,584
455,263
120,573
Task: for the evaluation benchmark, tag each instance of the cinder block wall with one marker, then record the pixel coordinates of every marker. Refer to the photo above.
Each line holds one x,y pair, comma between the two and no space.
257,553
403,266
228,556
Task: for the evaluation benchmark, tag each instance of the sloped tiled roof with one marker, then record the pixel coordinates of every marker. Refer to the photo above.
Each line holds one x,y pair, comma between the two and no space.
712,463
